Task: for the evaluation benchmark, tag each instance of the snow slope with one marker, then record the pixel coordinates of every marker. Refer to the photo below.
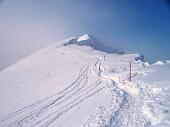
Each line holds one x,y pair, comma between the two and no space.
79,82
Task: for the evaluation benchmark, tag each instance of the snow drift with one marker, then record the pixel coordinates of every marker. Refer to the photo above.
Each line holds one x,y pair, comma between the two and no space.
79,82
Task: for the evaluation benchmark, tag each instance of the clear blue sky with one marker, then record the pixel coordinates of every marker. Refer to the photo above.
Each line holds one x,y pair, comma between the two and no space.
131,25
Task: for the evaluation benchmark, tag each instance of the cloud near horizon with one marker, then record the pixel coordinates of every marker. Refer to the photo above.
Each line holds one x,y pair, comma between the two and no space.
29,25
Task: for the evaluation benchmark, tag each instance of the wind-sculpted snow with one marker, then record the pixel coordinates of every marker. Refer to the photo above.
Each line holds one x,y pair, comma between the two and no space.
72,85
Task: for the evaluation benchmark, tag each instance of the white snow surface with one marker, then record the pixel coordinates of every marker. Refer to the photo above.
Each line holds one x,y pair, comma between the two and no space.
78,82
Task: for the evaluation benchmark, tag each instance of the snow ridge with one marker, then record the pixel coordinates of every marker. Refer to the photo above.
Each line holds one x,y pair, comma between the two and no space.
100,95
88,40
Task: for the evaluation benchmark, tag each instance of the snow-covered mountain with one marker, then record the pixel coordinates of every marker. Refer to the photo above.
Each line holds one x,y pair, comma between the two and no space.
79,82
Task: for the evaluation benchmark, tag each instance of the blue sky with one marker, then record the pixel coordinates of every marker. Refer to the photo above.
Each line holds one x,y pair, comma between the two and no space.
130,25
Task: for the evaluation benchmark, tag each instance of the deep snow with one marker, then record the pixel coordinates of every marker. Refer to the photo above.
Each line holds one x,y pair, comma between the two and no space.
79,82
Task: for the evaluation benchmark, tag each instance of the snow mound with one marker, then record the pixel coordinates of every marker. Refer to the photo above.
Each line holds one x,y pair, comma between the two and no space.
88,40
84,37
161,62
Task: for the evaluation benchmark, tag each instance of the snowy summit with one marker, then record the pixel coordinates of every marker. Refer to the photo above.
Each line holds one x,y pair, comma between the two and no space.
88,40
79,82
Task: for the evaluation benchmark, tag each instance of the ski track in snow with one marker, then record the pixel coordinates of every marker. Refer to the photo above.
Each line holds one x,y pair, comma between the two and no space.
131,103
124,109
45,111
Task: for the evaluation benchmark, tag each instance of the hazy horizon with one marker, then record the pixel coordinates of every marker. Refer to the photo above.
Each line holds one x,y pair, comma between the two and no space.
132,26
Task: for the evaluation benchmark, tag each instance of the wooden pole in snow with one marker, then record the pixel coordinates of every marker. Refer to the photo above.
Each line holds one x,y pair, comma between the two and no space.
130,71
99,66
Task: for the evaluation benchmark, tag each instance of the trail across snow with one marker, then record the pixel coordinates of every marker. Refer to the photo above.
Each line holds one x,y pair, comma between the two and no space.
100,95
